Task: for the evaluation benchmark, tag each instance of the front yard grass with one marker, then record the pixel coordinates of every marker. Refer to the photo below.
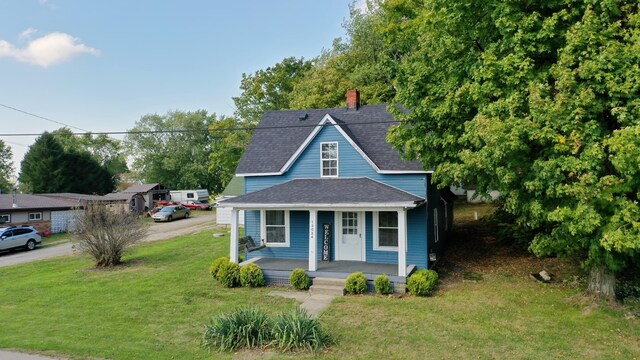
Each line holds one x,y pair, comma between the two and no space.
155,307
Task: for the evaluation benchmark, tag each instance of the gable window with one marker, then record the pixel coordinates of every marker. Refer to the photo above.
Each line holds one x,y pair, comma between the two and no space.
5,218
329,159
275,227
35,216
385,234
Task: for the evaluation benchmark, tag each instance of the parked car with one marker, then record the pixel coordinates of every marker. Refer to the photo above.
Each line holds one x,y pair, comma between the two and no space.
197,205
170,213
148,213
19,236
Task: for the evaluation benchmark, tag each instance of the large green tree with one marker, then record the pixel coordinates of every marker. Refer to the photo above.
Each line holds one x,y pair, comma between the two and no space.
269,89
6,168
173,149
108,152
48,168
230,137
538,100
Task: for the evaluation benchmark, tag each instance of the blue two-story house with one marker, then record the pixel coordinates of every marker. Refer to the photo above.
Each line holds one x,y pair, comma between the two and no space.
325,191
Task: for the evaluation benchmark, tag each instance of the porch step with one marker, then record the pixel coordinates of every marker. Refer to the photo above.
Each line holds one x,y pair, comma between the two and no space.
329,281
327,290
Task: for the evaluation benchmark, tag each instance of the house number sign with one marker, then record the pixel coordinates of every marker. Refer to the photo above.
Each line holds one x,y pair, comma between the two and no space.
326,242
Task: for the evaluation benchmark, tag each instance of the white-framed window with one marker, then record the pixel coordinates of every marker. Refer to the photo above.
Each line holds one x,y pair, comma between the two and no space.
275,227
35,216
329,159
435,225
385,230
5,218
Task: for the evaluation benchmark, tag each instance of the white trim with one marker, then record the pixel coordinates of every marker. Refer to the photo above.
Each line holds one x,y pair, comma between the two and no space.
8,217
233,251
323,207
336,159
312,135
402,243
375,227
313,237
263,229
35,213
337,220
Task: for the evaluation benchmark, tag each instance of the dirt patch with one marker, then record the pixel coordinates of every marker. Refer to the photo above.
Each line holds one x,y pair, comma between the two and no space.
473,252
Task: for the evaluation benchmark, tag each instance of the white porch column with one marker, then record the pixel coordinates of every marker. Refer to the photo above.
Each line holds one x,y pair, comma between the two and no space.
402,243
313,236
233,253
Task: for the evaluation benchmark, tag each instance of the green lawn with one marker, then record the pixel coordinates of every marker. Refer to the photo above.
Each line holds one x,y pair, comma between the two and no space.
156,305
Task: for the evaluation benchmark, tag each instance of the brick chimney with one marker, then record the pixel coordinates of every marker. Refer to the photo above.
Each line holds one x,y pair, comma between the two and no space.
353,99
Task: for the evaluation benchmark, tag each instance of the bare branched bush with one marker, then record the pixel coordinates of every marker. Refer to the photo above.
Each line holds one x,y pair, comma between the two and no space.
106,232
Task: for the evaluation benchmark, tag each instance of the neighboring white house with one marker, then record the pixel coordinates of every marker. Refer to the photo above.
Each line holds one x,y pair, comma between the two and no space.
233,189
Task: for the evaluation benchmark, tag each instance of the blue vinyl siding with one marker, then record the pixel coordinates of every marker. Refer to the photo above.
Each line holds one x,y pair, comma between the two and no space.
299,232
416,240
350,164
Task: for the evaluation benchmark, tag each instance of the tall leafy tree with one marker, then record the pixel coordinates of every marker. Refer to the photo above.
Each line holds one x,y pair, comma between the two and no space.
269,89
229,139
538,100
48,168
173,149
6,167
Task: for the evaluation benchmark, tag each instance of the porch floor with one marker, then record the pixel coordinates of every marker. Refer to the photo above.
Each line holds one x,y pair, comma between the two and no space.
330,269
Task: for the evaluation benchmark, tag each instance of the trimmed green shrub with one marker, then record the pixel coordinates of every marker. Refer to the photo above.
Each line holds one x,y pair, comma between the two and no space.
356,283
422,282
382,285
299,279
244,328
229,274
216,266
299,331
251,275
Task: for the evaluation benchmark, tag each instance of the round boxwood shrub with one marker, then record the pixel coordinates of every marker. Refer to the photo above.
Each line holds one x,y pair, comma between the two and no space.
216,265
299,279
356,283
251,275
422,282
229,274
382,285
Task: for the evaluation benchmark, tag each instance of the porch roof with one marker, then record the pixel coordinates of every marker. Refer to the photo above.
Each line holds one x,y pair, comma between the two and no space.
326,192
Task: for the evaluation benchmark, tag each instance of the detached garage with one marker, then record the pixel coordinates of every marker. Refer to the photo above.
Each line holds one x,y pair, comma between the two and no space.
42,212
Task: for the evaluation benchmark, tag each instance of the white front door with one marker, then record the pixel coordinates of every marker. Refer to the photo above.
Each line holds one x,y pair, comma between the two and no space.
350,238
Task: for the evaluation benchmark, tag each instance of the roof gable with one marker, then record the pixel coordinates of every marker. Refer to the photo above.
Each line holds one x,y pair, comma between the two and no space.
283,135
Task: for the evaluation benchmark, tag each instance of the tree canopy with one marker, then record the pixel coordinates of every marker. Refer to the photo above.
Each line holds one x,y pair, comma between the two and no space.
538,100
48,168
6,168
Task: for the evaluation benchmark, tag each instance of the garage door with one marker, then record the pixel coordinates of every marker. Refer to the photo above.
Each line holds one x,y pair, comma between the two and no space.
62,221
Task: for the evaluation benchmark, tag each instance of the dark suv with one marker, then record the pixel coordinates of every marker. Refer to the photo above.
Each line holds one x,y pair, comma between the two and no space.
19,236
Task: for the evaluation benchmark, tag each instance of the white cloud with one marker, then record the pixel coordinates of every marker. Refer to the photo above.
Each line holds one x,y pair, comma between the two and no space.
27,33
50,49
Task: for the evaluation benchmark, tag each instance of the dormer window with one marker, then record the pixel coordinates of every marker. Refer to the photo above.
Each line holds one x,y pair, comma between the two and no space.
329,159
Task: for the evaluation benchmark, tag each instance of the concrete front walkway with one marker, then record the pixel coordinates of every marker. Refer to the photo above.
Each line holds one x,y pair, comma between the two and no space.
312,303
12,355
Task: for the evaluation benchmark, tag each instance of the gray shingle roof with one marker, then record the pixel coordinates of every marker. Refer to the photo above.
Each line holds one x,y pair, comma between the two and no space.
270,149
334,191
33,202
142,188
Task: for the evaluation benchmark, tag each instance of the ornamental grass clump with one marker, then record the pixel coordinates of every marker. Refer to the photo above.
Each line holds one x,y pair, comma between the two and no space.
251,275
382,284
216,266
422,282
300,280
244,328
356,283
229,274
299,331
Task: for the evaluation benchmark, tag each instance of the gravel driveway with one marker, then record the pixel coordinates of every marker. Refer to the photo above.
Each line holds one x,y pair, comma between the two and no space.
157,231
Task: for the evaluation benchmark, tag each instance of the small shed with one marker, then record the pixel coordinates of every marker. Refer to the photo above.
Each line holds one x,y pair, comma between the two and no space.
150,192
233,189
133,201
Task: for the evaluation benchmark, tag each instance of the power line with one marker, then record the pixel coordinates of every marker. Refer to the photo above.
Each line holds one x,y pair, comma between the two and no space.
43,118
251,128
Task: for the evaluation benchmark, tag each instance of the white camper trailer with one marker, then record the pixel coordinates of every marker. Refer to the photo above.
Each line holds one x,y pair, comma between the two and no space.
185,195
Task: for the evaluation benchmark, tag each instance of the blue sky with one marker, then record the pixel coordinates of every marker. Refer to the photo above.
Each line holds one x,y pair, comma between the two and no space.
101,65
